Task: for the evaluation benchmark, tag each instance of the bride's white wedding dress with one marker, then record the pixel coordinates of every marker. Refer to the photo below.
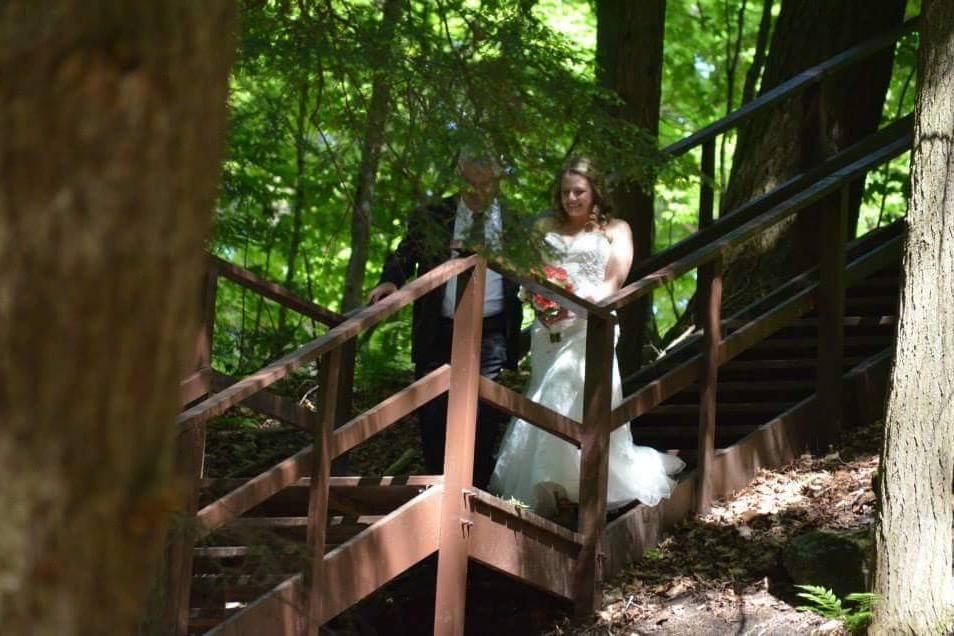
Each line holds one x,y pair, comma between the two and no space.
532,463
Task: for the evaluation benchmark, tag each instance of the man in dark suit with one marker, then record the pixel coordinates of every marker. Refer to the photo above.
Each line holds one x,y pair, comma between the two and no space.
432,230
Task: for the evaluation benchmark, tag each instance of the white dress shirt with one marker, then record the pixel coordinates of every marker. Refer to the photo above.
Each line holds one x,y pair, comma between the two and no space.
493,230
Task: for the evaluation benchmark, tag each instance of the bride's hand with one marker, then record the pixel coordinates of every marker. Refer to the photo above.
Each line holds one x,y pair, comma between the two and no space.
550,320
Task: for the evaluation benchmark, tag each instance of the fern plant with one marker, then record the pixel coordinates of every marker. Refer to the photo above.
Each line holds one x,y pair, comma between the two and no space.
826,603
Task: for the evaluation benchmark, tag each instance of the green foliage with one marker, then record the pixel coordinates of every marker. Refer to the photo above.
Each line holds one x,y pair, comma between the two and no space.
824,602
513,78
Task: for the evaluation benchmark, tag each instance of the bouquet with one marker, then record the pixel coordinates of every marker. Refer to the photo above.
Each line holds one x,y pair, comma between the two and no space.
543,305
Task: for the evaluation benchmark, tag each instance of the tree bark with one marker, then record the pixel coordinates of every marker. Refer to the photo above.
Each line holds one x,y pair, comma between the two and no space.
111,135
913,575
367,177
629,54
804,130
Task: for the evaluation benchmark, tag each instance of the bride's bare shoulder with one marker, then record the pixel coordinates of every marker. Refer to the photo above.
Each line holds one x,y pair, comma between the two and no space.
618,229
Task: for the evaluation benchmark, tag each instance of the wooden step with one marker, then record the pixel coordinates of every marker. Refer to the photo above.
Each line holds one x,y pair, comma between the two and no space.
688,414
680,437
348,495
340,528
776,369
751,391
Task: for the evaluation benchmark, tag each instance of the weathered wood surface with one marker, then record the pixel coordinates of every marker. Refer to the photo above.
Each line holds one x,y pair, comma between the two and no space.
520,406
272,291
455,518
336,337
800,82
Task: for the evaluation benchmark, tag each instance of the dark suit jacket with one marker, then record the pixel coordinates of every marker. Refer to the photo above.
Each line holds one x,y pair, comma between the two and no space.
426,244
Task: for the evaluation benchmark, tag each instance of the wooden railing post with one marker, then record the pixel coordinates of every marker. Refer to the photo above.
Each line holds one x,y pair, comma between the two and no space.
190,451
831,316
594,462
709,295
706,213
459,454
318,491
345,398
203,345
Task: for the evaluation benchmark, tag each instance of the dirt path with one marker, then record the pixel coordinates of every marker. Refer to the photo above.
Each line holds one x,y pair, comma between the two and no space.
723,574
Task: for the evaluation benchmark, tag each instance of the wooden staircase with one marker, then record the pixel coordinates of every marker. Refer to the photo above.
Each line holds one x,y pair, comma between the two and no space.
290,549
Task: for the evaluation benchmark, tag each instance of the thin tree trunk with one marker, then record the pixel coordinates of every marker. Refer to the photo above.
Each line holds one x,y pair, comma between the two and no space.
111,134
367,178
298,206
804,130
732,52
913,575
629,53
758,57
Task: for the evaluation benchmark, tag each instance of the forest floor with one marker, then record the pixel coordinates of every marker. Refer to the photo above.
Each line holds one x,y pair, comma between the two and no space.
718,574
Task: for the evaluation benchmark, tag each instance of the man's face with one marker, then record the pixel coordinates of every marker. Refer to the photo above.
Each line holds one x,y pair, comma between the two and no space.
478,185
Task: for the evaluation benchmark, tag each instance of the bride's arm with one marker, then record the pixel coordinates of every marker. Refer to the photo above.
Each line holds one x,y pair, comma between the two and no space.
620,260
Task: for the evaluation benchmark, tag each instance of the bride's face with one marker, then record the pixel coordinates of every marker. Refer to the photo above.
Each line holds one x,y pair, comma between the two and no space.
576,195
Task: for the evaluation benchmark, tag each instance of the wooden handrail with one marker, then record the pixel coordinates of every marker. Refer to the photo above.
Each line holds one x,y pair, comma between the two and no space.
734,237
730,220
793,86
753,331
270,290
531,412
568,300
220,402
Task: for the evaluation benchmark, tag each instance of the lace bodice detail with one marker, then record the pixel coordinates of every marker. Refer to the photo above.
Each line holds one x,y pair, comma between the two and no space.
584,257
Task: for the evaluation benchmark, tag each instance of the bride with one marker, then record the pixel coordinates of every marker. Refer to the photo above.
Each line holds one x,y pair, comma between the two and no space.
533,466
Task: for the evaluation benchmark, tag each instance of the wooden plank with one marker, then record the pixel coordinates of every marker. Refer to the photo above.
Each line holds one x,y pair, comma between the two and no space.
775,443
882,248
365,563
594,463
750,333
551,291
190,450
641,528
514,544
344,400
656,392
196,385
203,344
459,455
278,613
540,525
732,219
349,495
253,492
279,294
793,86
783,210
337,336
399,405
520,406
320,485
268,403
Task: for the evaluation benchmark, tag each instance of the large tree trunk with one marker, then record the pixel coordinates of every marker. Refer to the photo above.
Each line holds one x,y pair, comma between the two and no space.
111,133
629,54
804,130
913,575
370,155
